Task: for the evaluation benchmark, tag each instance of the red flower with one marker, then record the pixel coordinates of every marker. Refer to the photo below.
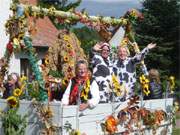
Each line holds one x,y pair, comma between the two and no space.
9,47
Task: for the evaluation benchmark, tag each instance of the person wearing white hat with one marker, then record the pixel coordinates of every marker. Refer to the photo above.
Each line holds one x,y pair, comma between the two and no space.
102,69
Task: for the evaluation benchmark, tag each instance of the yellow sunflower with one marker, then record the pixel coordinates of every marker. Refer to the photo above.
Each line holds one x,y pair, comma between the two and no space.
23,78
133,13
124,42
12,101
17,92
69,46
66,38
65,82
46,61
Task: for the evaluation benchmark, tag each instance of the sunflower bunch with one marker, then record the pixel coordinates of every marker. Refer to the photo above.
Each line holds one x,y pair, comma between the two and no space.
144,84
117,87
85,91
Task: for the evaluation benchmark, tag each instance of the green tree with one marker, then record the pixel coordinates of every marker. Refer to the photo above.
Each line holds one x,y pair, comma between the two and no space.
87,36
160,25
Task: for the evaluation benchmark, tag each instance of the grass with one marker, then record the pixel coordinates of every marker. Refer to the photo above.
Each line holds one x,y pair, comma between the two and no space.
176,131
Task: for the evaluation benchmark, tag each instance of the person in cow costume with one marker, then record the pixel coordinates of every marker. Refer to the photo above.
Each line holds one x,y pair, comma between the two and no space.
125,67
102,69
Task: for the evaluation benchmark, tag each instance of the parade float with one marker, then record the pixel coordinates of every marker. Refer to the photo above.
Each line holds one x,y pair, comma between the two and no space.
30,109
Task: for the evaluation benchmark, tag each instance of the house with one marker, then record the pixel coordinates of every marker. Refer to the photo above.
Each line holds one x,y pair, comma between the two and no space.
45,36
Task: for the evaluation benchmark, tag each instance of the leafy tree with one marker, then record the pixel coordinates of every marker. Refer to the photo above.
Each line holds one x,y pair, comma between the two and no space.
160,25
87,36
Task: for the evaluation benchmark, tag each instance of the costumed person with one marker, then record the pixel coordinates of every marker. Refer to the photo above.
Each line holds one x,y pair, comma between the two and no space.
155,86
81,90
102,69
125,67
12,83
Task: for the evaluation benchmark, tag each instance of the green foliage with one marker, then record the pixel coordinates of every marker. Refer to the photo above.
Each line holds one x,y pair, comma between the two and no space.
160,25
87,36
13,123
33,90
57,74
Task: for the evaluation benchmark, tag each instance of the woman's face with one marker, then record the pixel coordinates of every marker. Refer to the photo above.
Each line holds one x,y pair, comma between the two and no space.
122,53
105,52
82,70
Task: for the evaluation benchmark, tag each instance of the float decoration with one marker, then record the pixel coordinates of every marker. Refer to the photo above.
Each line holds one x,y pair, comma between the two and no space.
33,61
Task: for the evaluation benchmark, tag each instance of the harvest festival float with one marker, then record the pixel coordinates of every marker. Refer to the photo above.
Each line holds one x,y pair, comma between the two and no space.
133,117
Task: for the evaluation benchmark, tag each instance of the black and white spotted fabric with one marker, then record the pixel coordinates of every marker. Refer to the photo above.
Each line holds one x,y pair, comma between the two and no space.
102,71
125,70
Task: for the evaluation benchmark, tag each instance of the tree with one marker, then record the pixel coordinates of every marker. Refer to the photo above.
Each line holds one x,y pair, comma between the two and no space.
88,37
160,25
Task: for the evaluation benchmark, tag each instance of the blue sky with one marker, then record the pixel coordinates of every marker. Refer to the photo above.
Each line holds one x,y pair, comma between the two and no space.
115,8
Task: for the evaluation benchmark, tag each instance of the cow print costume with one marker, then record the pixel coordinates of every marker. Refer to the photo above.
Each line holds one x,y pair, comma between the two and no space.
102,71
125,70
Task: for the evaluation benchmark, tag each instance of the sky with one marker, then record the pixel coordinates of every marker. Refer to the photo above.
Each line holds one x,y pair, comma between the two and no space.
115,8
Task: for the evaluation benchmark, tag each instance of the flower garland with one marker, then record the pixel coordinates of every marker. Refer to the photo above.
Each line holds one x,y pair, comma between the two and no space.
132,117
33,61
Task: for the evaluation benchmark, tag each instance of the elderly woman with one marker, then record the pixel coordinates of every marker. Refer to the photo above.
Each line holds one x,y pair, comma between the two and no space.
82,89
102,69
125,67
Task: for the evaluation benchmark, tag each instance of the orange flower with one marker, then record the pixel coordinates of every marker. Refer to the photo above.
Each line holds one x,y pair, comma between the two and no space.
66,59
111,124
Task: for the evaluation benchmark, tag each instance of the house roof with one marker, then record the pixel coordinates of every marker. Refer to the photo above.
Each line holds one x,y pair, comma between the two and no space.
46,34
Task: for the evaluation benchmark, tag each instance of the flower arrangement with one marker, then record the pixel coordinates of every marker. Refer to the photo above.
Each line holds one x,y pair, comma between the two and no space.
12,122
144,84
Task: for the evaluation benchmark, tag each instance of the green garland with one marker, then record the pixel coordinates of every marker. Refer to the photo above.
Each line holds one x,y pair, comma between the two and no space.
33,61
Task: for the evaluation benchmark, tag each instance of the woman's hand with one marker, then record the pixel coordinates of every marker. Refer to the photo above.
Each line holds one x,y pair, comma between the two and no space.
83,106
151,46
97,47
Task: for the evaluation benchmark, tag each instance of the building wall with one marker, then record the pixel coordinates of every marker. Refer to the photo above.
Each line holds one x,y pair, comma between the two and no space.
14,65
5,12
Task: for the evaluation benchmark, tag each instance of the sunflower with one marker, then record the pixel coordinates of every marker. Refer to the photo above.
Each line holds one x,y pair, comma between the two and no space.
12,101
133,13
46,61
172,83
66,58
65,82
17,92
66,38
69,46
23,78
124,42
